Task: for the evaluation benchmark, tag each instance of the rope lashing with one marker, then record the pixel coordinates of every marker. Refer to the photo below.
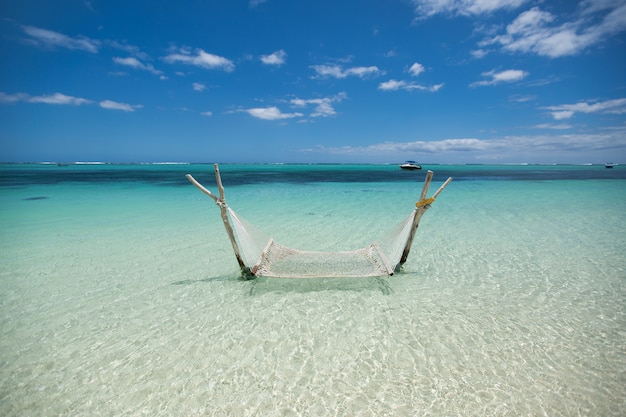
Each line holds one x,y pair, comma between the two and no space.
424,202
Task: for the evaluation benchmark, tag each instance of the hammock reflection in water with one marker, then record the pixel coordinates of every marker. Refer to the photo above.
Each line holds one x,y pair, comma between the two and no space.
259,255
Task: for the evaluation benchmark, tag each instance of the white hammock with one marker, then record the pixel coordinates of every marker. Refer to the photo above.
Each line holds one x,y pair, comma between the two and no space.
259,255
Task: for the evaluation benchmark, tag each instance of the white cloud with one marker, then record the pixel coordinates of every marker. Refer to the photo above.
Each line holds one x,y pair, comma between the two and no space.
51,39
537,31
479,53
63,99
114,105
540,32
255,3
562,115
592,6
522,98
428,8
506,76
362,72
207,113
276,58
435,88
130,49
323,106
329,71
416,69
336,71
199,87
503,149
12,98
58,98
394,85
561,126
567,111
135,63
270,113
201,59
88,4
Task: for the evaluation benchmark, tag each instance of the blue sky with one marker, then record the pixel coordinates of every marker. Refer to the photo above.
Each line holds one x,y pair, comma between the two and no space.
438,81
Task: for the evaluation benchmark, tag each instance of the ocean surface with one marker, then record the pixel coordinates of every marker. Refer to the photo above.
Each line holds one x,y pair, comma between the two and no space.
120,294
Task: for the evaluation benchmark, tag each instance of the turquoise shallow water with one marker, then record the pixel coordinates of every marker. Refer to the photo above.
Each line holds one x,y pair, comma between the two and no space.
119,294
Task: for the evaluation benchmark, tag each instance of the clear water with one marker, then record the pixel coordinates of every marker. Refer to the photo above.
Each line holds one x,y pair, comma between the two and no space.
119,294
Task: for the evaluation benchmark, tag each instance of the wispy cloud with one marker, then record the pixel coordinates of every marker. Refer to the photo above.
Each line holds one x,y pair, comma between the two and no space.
428,8
255,3
535,30
136,64
270,113
275,58
88,4
46,38
51,39
200,59
207,113
56,98
114,105
64,99
323,106
129,49
199,87
12,98
503,149
567,111
540,32
522,98
500,77
336,71
394,85
414,70
478,53
559,126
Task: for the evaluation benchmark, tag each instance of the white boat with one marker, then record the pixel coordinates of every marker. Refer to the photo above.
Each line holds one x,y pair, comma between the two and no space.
609,165
410,165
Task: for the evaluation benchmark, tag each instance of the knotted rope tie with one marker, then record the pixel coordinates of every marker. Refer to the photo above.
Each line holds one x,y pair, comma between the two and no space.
221,203
424,202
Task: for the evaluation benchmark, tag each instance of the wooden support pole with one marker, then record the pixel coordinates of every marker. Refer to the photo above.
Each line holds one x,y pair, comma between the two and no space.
442,187
201,187
427,180
221,202
218,179
407,247
420,209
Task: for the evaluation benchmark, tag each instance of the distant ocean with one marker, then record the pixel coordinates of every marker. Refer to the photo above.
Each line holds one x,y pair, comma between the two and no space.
120,294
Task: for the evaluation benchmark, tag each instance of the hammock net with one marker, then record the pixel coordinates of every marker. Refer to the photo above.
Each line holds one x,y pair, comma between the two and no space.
260,255
266,257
